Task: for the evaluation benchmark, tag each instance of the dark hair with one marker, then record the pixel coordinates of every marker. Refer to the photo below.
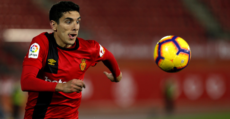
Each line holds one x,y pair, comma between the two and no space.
58,9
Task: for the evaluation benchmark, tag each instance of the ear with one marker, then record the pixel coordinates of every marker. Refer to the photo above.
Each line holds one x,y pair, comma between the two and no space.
53,25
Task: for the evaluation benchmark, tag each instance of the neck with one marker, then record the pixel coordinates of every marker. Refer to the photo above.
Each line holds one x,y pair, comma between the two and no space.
60,42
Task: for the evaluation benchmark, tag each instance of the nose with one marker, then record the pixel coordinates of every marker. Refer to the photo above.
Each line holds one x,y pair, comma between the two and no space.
76,26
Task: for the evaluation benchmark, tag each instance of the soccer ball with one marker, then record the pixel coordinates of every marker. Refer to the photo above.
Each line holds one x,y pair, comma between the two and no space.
172,53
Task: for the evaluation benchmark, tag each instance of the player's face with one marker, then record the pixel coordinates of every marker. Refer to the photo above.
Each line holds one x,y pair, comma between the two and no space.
67,30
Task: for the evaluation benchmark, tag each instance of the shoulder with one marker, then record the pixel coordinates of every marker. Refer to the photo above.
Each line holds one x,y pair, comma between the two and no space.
88,44
40,40
91,46
37,51
38,46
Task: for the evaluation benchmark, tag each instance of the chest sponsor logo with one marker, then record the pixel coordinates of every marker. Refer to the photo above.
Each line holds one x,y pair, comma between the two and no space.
83,65
34,50
59,81
51,62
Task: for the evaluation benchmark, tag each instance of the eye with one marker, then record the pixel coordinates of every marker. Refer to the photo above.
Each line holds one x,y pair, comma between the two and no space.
68,21
78,21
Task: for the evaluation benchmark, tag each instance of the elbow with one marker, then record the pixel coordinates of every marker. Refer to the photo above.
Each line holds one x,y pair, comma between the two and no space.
23,84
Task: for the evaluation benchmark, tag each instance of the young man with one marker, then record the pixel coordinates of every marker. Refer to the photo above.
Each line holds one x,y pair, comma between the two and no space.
54,67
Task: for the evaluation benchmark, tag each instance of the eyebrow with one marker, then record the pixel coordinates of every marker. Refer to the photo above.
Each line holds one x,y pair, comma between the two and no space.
72,18
69,18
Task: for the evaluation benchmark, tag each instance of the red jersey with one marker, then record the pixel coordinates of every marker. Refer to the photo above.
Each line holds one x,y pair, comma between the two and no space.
58,65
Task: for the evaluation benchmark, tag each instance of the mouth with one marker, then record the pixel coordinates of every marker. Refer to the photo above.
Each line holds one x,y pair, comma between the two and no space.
72,36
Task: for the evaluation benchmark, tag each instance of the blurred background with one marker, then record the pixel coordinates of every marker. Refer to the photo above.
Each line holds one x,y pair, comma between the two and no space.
130,29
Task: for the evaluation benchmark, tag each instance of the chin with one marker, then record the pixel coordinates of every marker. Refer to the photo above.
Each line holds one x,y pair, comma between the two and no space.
71,43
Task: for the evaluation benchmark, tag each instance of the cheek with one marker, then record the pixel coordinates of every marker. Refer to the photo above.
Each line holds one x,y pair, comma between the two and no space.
63,27
63,34
62,31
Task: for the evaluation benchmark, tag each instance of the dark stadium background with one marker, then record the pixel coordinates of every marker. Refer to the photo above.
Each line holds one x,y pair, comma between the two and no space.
130,29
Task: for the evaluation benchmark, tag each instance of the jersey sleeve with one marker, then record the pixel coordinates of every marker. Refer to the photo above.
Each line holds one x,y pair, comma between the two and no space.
99,53
104,55
37,53
33,63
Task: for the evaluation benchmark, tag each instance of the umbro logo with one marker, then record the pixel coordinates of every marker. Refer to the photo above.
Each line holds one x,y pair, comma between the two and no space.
51,61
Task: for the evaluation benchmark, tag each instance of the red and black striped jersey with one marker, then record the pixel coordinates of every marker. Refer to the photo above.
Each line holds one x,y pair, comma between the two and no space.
58,65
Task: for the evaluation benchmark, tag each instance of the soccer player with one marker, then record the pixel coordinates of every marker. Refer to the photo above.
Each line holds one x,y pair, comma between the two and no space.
54,67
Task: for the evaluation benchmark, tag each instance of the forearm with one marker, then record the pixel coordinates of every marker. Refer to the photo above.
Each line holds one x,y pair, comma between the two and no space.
111,63
29,81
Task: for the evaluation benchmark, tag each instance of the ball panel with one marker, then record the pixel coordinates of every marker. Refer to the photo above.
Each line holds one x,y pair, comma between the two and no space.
160,62
166,65
182,43
168,50
181,60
